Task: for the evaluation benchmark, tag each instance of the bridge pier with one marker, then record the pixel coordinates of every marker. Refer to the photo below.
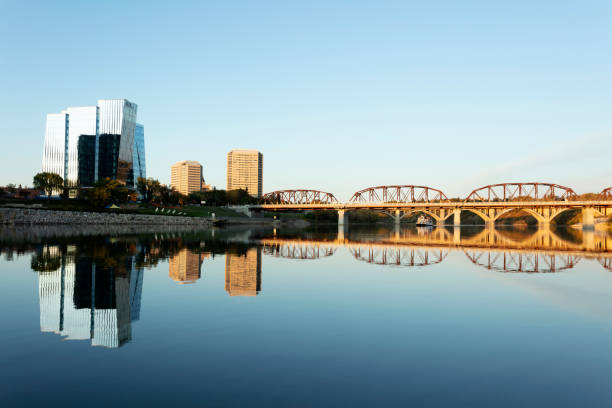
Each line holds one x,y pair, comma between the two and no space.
588,240
342,224
456,217
588,218
456,235
397,218
341,219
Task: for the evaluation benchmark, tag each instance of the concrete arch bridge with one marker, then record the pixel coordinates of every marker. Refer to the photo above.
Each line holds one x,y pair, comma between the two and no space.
544,201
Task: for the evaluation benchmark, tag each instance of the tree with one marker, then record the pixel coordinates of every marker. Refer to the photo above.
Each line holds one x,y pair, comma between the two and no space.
107,191
142,186
48,182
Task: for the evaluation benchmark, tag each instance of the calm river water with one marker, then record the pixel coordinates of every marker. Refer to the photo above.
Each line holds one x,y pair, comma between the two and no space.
364,317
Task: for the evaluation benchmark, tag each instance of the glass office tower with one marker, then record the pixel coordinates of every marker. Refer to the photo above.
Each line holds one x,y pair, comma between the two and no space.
140,168
86,144
81,146
116,143
54,152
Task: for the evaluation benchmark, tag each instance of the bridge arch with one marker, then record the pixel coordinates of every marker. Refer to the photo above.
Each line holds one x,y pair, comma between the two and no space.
398,194
521,192
482,215
606,193
539,218
408,212
299,196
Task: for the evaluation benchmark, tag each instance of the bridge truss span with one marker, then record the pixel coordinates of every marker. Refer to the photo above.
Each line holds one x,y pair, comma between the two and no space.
299,197
606,194
398,194
521,192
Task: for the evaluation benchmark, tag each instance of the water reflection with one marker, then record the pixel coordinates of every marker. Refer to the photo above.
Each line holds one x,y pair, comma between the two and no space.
243,273
397,256
525,262
186,266
86,300
90,288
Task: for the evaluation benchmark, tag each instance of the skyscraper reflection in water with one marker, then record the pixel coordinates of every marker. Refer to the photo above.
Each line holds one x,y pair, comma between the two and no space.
82,300
243,273
186,266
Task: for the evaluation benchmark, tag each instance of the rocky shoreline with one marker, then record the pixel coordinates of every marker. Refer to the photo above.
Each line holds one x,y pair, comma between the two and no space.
19,216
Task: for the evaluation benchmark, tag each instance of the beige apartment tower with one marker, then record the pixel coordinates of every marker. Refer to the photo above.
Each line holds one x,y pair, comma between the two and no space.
245,171
186,177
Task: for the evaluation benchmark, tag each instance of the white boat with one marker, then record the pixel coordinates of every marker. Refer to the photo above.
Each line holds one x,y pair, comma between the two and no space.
424,221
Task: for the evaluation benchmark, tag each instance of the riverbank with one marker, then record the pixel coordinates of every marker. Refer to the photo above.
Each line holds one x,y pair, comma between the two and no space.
43,217
19,216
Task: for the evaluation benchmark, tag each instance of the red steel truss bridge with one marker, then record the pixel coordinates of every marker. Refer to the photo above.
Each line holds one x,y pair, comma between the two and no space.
544,201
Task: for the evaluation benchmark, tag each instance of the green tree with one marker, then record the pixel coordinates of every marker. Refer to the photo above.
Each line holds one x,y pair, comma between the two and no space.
48,182
107,191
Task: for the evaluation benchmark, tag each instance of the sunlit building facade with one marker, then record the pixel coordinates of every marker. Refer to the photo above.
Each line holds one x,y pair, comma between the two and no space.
243,273
186,177
85,144
245,171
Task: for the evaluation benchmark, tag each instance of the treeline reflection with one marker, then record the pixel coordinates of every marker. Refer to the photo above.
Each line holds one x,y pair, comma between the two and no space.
90,288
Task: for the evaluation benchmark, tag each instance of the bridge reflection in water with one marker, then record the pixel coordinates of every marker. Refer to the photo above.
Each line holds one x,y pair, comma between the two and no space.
504,250
91,289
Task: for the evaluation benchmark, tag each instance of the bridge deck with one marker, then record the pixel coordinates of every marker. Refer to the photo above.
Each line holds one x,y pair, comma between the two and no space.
432,205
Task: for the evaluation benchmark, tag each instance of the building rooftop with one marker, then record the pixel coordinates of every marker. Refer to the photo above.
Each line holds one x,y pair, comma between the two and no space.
187,162
244,151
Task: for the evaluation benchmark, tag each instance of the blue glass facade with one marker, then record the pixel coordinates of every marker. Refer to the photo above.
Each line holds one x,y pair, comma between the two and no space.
140,167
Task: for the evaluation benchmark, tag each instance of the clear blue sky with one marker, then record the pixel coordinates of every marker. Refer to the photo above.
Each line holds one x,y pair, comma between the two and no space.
337,95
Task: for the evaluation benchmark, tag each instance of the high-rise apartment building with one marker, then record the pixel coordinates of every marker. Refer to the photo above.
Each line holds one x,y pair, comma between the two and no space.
245,171
85,144
186,177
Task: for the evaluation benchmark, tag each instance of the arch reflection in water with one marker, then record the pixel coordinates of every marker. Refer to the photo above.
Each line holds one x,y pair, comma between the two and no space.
243,272
297,250
606,263
85,300
398,256
519,261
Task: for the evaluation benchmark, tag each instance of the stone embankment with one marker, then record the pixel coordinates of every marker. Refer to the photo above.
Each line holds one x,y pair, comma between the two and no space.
18,216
